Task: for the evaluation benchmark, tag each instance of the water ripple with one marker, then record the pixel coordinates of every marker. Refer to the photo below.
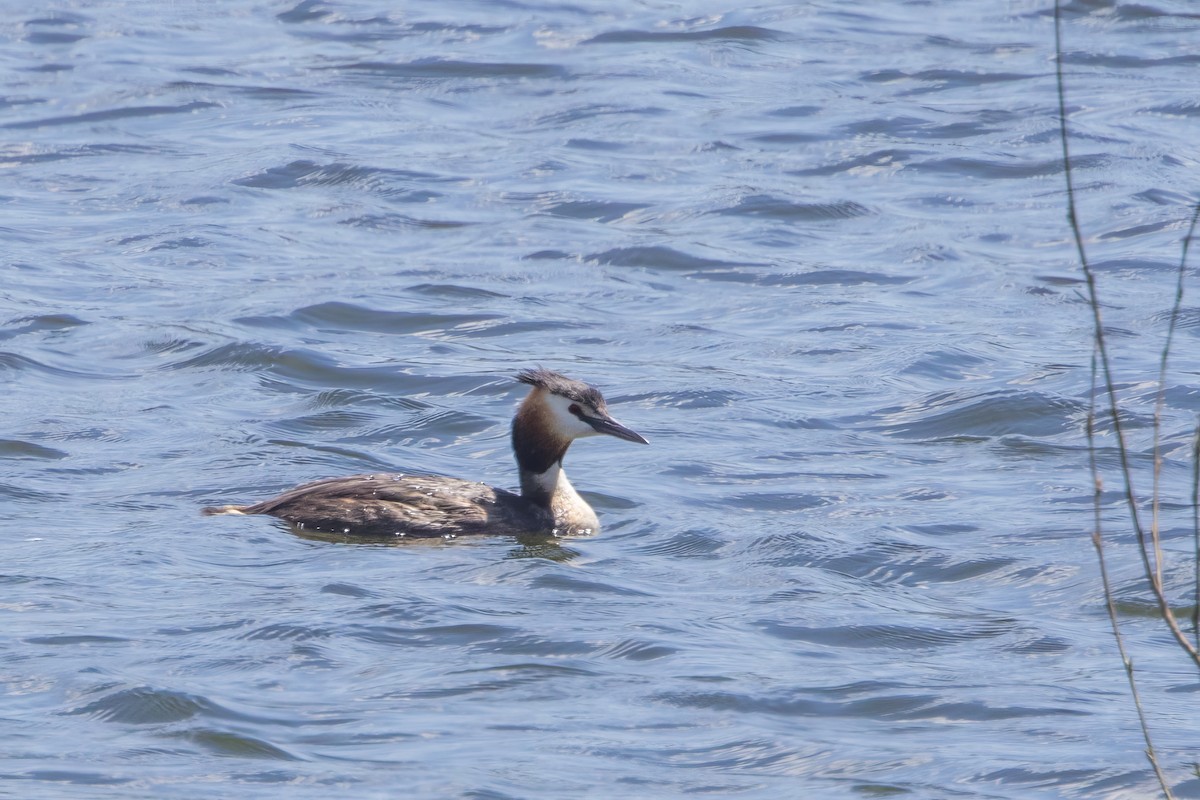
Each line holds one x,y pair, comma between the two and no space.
17,449
890,637
393,184
950,414
746,33
444,69
110,115
787,210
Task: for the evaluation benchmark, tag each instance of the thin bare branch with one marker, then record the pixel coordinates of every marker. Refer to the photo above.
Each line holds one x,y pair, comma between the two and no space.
1196,534
1109,601
1145,547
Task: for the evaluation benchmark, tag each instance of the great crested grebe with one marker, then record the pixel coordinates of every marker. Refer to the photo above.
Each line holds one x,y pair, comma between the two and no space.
557,411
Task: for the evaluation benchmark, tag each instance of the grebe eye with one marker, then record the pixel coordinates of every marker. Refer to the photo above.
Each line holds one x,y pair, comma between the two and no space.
575,409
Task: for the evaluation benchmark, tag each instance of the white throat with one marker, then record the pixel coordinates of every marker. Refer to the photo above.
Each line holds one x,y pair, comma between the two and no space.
572,514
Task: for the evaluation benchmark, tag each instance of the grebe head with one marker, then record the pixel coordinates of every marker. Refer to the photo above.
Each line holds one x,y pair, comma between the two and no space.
569,409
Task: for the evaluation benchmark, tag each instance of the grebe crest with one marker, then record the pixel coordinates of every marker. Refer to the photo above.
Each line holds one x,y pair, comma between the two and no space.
557,411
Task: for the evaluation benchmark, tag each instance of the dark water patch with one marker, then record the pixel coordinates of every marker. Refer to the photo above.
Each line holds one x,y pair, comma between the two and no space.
248,357
949,415
795,111
340,316
318,370
393,184
400,222
943,528
348,590
1184,396
604,500
952,363
36,580
170,345
111,115
183,243
691,398
50,68
443,425
995,169
1040,645
1121,61
788,139
848,703
982,711
890,158
63,19
913,566
917,128
283,631
446,69
786,210
256,92
818,277
594,210
889,637
17,364
740,756
491,330
10,158
1134,265
1136,230
1166,197
548,255
7,103
343,398
1023,448
201,628
597,110
203,201
144,705
304,11
236,745
745,33
943,78
468,30
569,583
1186,108
413,609
16,449
466,634
533,672
11,491
776,502
659,257
461,683
834,277
70,776
1061,280
454,291
74,639
594,145
54,37
636,650
686,544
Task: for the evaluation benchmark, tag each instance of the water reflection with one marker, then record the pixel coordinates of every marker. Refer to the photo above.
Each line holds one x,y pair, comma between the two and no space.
549,547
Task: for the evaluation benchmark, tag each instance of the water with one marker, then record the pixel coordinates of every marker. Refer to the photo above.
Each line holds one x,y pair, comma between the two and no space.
816,253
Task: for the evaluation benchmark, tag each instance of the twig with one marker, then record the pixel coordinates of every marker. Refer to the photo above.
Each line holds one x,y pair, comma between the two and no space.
1144,546
1109,602
1196,534
1160,402
1158,407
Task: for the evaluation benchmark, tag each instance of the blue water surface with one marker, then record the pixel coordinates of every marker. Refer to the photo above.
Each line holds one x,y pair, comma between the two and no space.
816,252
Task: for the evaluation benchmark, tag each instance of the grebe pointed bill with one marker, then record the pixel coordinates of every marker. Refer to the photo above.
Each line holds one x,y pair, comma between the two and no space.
557,411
